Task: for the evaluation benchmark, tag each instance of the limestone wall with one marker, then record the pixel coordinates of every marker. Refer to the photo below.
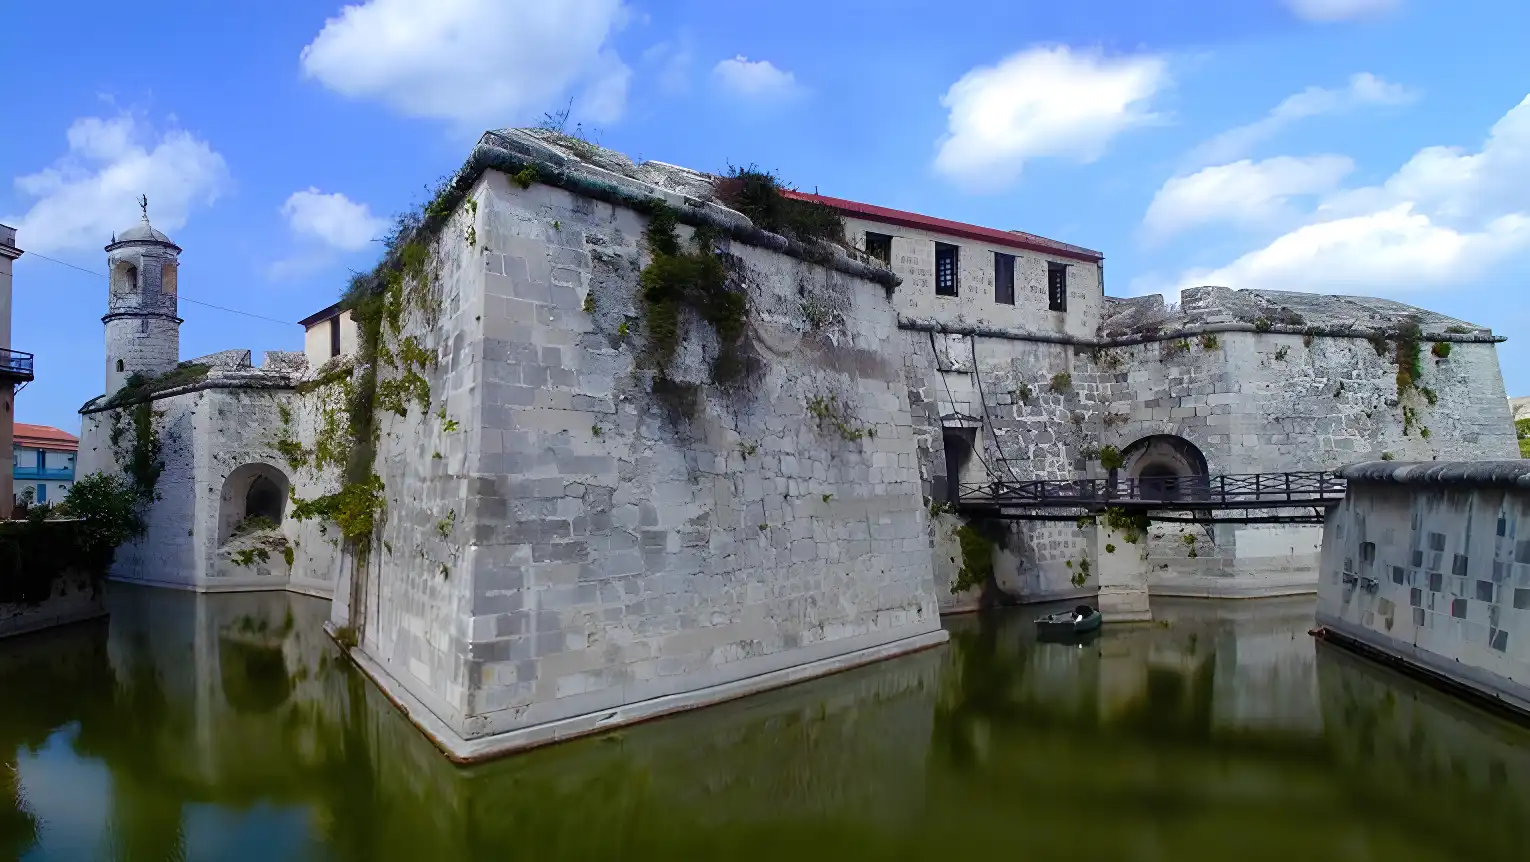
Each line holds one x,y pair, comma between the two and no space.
211,441
1430,563
604,546
1250,402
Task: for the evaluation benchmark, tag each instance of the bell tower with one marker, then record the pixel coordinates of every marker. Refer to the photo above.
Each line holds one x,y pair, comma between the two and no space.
143,330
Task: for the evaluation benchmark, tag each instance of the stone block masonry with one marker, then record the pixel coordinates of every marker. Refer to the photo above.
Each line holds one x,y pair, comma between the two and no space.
1428,565
595,547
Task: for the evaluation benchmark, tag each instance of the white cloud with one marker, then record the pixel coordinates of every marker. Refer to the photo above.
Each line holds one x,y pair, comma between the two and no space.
673,62
92,189
1363,89
1042,102
754,79
1341,10
1245,192
1390,250
476,63
1443,219
333,219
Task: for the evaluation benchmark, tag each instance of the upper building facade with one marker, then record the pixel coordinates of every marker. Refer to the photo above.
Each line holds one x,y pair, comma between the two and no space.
43,461
965,275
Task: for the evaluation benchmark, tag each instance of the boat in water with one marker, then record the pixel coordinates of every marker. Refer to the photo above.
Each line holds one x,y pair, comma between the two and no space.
1081,620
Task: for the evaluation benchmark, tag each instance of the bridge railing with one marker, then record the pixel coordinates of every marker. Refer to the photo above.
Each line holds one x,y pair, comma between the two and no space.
1252,490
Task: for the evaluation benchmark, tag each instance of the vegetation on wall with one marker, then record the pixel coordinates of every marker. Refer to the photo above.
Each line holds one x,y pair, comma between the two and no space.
1522,433
757,194
141,387
136,446
1408,355
834,414
977,559
695,278
1131,525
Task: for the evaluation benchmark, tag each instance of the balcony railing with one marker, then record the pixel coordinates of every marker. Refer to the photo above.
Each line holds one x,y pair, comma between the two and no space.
15,364
52,474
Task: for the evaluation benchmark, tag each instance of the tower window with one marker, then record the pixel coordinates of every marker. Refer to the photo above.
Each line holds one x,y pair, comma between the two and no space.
945,269
334,336
119,365
130,277
1004,278
879,246
1057,286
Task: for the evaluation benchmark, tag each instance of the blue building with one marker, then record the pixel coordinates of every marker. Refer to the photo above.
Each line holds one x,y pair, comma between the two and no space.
42,460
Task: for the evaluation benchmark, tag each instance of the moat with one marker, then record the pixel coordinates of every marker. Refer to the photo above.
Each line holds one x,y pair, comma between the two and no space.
229,727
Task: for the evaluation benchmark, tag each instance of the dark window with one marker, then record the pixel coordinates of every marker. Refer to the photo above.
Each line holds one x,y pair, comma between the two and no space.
1521,599
1503,525
1418,559
1458,565
119,365
1416,597
945,269
1057,287
1397,575
1004,278
1499,640
1522,552
334,336
1367,552
879,246
1436,541
1458,608
1436,581
1484,591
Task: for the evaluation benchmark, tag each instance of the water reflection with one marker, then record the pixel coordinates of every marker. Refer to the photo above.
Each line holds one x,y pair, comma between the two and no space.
227,727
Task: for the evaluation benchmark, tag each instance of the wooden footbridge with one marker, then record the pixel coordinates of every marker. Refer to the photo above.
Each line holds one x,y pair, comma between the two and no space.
1270,498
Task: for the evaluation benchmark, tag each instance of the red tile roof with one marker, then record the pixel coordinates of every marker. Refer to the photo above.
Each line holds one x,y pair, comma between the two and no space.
1010,238
44,437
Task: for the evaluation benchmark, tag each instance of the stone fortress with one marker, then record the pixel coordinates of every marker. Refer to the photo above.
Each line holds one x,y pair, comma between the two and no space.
553,487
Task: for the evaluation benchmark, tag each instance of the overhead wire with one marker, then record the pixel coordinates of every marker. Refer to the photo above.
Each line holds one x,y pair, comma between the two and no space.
181,298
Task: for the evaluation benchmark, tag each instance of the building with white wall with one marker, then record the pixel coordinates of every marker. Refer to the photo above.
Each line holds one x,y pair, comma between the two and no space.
15,365
43,460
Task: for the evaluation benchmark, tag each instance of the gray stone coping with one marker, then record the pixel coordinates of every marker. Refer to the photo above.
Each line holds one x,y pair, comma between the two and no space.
1455,474
265,381
927,325
511,151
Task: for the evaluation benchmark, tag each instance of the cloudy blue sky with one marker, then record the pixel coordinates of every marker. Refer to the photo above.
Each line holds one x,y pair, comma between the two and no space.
1360,146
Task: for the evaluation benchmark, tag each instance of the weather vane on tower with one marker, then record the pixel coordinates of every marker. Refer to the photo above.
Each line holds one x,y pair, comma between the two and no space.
143,204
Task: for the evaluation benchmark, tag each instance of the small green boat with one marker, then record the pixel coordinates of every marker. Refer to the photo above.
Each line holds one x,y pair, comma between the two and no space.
1081,620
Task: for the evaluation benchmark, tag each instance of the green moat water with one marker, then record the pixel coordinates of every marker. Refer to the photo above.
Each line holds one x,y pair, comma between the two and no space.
229,728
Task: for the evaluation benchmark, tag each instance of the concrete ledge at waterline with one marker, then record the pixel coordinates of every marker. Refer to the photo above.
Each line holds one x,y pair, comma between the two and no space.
461,750
1455,677
73,600
1234,587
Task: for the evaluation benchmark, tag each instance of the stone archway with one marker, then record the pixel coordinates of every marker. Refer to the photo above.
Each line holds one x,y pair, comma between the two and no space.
1166,467
251,490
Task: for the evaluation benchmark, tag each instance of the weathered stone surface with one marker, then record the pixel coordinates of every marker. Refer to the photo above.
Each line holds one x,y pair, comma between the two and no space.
1430,564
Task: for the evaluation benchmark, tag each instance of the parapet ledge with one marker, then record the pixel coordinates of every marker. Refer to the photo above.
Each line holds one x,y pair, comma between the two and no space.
594,172
1453,474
